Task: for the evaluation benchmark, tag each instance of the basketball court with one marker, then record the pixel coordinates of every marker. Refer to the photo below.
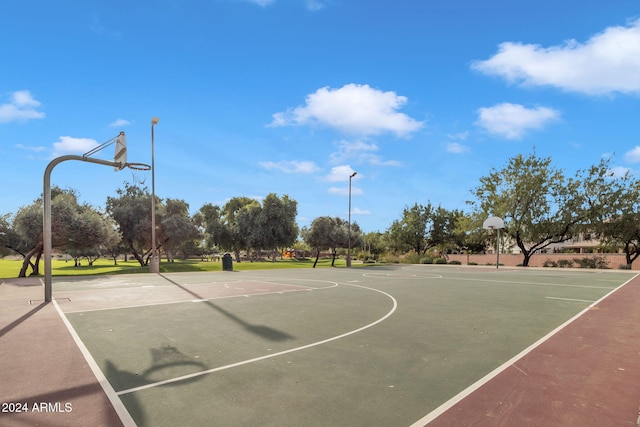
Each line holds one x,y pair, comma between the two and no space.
379,346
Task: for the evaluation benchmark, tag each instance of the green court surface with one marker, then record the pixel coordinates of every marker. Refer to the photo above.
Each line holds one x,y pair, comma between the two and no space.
379,346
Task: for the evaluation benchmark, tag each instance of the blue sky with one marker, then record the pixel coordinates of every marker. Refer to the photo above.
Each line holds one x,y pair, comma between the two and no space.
421,98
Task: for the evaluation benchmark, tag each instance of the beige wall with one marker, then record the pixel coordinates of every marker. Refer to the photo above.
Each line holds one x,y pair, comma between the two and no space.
614,261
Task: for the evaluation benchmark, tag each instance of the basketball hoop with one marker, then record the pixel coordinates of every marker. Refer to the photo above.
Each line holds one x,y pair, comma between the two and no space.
138,166
492,223
495,223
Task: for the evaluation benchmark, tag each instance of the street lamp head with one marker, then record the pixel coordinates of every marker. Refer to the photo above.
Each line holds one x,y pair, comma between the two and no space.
155,120
353,174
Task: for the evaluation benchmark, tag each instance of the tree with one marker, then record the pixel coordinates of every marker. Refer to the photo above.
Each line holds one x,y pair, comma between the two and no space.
373,243
410,232
247,226
468,234
216,233
319,235
236,218
330,233
614,203
90,235
244,224
276,222
73,227
131,211
9,240
179,229
421,228
539,205
27,224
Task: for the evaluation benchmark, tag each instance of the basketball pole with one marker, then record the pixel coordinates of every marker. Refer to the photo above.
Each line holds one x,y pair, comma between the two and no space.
119,163
495,223
498,249
46,217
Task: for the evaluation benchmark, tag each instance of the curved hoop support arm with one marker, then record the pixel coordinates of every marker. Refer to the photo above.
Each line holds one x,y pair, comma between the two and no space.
46,216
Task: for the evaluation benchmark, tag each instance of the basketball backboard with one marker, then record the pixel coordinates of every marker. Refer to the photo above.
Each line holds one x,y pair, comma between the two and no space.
120,155
492,223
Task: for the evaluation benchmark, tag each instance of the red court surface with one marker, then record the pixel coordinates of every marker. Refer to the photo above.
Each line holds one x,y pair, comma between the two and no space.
587,374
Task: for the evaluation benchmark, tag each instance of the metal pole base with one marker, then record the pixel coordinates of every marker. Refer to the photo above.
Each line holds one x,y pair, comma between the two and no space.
154,265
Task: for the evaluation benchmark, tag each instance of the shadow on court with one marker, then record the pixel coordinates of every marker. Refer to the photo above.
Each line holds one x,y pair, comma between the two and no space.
260,330
164,359
22,318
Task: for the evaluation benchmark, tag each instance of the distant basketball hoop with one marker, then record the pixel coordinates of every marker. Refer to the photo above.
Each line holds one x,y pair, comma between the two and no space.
138,166
495,223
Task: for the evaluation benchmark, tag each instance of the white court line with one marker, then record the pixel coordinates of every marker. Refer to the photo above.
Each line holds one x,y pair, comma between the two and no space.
119,407
120,307
510,282
571,299
473,387
402,276
462,279
269,356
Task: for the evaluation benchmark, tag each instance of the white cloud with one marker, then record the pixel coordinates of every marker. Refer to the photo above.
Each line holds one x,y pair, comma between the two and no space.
633,155
35,149
457,148
120,122
340,174
70,145
374,160
606,63
263,3
362,152
293,166
619,171
344,191
315,5
461,136
513,120
23,106
352,109
358,211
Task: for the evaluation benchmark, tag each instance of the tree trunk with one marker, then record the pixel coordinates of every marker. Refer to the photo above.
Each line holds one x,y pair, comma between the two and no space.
630,253
136,255
527,257
26,262
36,265
333,258
317,256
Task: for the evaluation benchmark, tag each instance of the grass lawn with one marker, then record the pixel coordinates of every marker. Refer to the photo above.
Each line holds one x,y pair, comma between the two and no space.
11,268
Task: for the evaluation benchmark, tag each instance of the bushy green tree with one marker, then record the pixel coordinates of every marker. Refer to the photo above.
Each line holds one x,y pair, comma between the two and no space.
330,233
90,235
245,224
540,206
180,231
421,228
614,203
74,227
131,210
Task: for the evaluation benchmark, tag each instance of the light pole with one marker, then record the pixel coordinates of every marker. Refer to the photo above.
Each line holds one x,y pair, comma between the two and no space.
349,232
155,262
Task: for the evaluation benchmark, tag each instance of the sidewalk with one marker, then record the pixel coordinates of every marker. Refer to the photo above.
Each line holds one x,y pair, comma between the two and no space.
42,372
